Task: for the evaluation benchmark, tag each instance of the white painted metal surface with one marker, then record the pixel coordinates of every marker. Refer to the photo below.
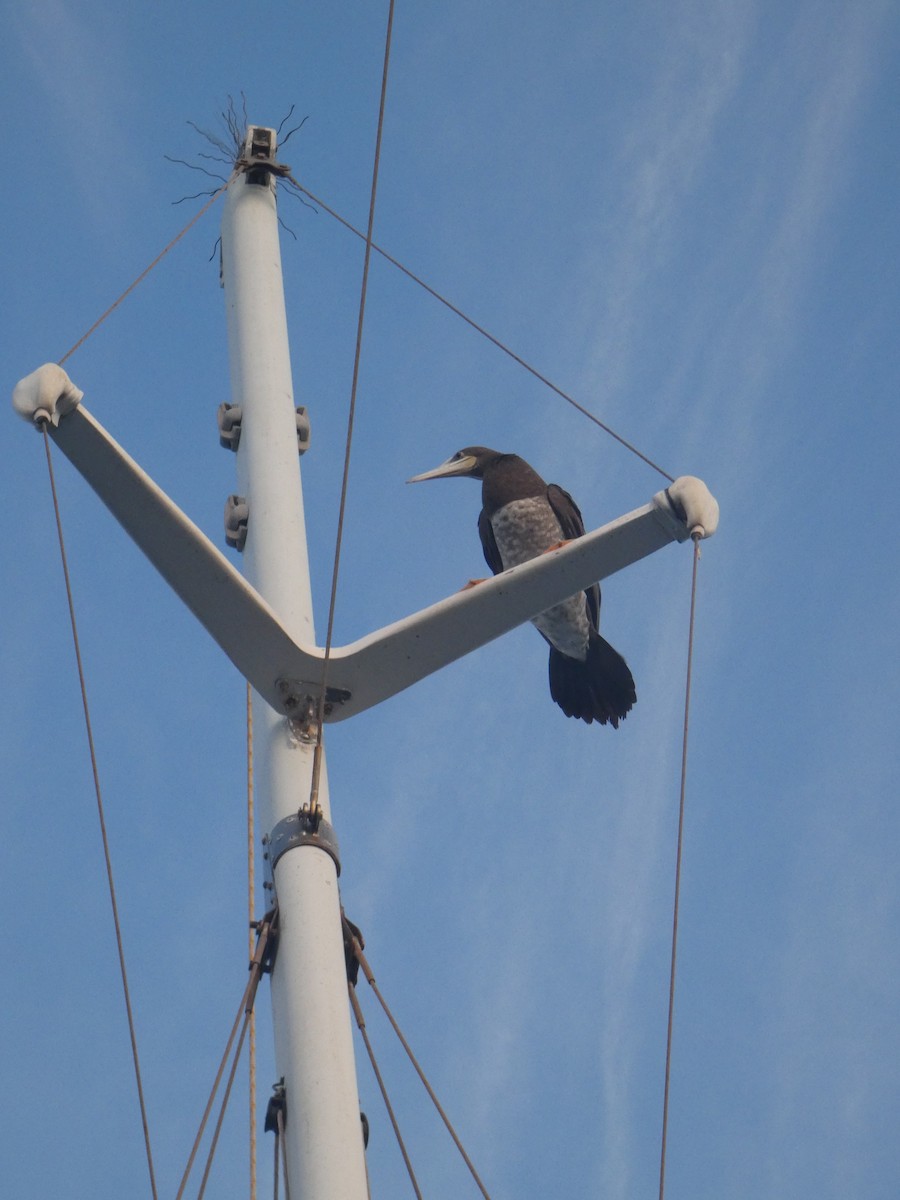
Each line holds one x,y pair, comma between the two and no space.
382,663
313,1039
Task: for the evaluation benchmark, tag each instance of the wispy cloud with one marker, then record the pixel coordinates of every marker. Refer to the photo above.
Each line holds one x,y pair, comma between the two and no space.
79,69
735,341
664,146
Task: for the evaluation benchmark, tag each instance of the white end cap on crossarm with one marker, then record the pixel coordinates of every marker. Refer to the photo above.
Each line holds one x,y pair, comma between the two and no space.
694,503
46,395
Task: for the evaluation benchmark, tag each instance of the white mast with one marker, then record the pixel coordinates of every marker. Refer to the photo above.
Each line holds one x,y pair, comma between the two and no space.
313,1037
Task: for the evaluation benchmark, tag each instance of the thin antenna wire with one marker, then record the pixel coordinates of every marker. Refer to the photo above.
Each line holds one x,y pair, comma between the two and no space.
106,852
317,757
678,853
485,333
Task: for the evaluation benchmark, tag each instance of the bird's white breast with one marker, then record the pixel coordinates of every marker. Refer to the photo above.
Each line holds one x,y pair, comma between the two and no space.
523,529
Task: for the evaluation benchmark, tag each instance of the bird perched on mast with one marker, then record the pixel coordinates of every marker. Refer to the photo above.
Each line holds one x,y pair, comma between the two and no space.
522,517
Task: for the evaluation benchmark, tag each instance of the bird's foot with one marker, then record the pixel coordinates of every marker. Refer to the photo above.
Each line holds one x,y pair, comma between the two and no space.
557,545
472,583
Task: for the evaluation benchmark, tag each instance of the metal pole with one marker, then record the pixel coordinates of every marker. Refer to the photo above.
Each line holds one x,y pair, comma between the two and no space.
313,1038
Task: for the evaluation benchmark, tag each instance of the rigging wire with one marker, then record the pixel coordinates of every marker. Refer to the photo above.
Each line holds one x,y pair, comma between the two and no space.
225,1098
280,1156
678,857
352,939
251,889
100,813
317,755
361,1025
484,332
266,931
146,271
212,1094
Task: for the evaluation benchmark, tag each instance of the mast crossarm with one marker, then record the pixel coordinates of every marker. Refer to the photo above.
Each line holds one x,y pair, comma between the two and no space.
384,663
288,675
218,595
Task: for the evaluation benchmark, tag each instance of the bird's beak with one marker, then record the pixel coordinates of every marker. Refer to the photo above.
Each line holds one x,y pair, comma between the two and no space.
453,466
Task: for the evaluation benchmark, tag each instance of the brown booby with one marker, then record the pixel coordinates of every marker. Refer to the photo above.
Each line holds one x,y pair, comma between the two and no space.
522,517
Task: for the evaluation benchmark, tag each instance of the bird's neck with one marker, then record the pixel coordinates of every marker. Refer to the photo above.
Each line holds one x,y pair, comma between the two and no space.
510,478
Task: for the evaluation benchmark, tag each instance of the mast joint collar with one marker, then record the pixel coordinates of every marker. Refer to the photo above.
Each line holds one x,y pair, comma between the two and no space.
303,828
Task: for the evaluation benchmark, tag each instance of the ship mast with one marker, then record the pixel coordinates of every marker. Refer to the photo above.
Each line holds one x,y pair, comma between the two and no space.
313,1036
264,623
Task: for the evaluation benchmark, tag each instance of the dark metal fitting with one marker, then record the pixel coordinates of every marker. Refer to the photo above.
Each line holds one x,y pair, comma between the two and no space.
306,729
304,828
228,418
296,697
276,1107
257,156
237,518
304,429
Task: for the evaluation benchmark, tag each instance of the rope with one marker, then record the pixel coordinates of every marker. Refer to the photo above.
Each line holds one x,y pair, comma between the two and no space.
143,275
484,332
317,756
100,812
361,1024
350,936
251,889
265,930
678,854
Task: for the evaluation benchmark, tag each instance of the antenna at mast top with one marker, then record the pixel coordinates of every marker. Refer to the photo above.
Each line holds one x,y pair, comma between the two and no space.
259,142
257,155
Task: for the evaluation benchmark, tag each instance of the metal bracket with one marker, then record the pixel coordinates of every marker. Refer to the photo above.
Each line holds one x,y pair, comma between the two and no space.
267,932
303,429
229,417
296,695
276,1109
237,516
300,829
257,157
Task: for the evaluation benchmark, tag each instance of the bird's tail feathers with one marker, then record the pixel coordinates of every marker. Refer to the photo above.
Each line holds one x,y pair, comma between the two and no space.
598,688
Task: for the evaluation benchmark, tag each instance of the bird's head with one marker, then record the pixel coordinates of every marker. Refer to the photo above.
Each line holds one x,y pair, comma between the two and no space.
470,462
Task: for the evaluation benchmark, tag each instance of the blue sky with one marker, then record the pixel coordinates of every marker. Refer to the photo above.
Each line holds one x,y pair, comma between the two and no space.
686,216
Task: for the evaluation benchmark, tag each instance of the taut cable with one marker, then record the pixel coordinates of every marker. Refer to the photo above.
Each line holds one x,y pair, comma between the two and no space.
317,756
678,855
146,271
586,412
100,813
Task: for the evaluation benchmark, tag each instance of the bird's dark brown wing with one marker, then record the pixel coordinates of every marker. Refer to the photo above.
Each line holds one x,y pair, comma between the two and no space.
572,525
566,511
489,544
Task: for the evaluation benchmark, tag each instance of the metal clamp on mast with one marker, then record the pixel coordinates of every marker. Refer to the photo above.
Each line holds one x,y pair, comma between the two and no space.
303,828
